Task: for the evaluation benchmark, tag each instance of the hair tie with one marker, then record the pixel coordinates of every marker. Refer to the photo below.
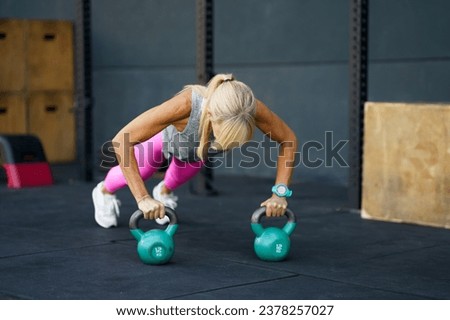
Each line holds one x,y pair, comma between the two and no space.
228,78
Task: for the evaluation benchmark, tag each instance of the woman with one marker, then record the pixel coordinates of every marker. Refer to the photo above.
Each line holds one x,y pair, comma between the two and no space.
187,128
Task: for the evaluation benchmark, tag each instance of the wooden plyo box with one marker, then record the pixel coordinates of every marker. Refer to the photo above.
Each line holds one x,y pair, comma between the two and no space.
12,54
406,163
51,118
37,83
13,114
49,57
36,55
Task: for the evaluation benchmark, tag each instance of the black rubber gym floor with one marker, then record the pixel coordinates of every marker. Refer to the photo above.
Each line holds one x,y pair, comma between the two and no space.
51,248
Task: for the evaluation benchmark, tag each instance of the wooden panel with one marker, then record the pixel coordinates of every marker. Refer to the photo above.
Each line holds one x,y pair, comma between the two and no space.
51,118
50,56
12,114
12,55
406,172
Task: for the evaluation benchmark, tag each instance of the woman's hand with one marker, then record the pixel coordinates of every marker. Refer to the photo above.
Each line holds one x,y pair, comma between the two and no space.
151,208
275,206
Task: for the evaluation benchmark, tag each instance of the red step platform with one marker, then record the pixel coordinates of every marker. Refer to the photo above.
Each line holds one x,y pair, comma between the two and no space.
24,161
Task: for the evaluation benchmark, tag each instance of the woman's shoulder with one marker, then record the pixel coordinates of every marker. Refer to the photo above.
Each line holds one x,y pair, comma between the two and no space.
182,102
196,90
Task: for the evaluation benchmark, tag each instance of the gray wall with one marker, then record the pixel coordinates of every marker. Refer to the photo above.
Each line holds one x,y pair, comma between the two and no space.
294,56
143,52
293,53
32,9
409,50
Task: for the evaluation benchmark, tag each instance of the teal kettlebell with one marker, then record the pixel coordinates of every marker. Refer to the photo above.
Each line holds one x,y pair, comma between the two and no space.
155,246
272,244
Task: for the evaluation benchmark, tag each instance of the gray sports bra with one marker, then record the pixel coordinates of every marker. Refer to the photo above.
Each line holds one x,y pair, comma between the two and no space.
183,145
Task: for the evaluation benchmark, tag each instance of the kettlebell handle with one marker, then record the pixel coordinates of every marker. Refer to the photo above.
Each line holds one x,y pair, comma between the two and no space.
138,215
260,212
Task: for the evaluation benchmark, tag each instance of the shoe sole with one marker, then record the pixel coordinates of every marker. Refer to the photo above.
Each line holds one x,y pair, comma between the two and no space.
155,197
96,210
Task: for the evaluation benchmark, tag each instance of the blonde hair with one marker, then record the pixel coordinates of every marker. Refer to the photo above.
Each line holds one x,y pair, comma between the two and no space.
232,105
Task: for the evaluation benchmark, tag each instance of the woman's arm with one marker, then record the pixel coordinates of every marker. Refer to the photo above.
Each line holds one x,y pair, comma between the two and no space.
173,111
272,125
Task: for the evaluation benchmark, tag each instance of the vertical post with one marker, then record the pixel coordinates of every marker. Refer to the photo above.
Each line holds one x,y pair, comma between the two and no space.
83,83
205,44
202,184
358,95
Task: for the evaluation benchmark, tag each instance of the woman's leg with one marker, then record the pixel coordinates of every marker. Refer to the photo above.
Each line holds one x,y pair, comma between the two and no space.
149,157
180,172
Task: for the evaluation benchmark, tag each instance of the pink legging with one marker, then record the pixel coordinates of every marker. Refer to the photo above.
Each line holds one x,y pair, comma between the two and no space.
149,157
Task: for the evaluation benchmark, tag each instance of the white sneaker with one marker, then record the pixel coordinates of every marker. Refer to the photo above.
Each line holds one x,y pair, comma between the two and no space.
169,200
106,207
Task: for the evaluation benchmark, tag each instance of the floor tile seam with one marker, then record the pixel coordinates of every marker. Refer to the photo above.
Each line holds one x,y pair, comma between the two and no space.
56,250
39,229
233,286
407,251
14,295
300,274
264,266
419,296
396,252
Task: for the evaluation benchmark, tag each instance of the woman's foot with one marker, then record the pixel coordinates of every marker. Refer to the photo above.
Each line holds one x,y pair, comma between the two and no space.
106,207
166,197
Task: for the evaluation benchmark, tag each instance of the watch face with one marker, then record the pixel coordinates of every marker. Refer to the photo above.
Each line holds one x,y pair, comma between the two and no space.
281,189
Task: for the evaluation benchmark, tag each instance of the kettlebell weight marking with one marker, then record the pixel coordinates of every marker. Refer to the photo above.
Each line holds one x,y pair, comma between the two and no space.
279,247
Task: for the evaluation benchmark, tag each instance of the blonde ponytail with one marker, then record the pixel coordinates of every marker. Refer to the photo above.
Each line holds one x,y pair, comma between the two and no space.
232,105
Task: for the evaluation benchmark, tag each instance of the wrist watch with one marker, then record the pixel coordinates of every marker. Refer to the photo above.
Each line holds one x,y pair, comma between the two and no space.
282,190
